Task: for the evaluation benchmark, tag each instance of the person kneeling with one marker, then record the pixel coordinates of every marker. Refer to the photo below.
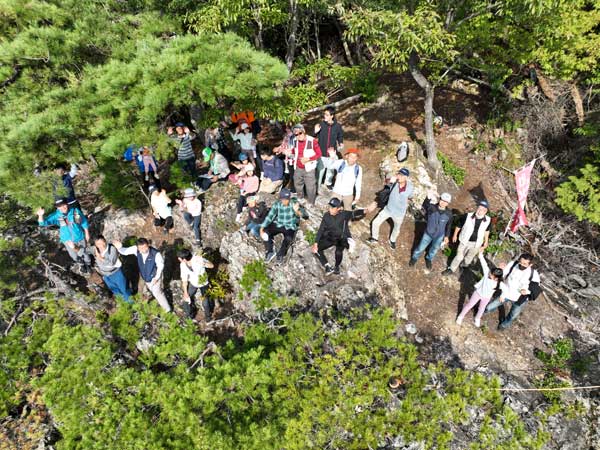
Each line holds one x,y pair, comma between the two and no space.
194,279
335,231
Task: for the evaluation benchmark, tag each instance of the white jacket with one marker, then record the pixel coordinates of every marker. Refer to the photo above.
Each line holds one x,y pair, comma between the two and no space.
517,280
467,229
346,180
486,286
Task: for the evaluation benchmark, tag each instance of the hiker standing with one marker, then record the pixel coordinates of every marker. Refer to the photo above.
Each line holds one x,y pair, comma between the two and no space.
473,235
248,186
192,212
272,174
439,222
334,231
306,153
218,169
522,285
243,134
257,212
151,265
161,208
108,266
395,204
194,280
484,290
67,178
73,231
348,181
331,137
185,153
283,218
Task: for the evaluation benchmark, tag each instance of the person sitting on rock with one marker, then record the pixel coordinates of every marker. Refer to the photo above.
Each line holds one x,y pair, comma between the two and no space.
272,176
484,290
248,186
474,236
335,231
149,163
522,284
218,169
193,280
150,265
439,223
192,212
108,266
348,181
73,231
241,165
257,212
283,218
394,200
161,208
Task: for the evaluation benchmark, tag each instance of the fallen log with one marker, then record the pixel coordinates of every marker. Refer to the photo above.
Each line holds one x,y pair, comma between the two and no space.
336,105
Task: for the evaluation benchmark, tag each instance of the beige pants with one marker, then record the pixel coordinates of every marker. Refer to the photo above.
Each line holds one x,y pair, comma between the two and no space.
157,292
346,199
268,186
382,217
467,252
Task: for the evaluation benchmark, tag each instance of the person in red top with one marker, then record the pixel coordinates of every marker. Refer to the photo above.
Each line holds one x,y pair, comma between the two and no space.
306,154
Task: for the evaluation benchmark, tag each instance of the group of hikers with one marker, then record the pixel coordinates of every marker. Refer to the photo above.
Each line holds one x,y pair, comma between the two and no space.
292,174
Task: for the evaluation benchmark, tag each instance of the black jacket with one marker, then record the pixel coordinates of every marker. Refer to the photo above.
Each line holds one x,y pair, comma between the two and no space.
336,136
258,213
334,228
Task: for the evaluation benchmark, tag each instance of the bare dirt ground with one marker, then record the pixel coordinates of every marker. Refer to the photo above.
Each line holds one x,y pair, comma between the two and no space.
433,301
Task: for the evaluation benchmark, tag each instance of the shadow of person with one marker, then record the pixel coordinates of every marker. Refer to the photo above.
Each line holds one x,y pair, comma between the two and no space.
478,193
467,283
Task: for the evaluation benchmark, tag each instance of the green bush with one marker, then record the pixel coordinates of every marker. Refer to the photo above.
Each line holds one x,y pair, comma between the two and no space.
452,170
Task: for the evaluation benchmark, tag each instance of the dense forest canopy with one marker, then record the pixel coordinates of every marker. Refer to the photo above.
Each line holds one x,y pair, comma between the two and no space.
81,80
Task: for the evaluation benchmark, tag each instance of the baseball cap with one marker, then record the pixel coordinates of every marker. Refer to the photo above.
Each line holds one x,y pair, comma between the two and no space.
189,192
298,126
404,171
152,188
249,167
180,124
446,197
484,203
335,202
252,198
244,125
352,150
285,193
243,157
206,153
60,202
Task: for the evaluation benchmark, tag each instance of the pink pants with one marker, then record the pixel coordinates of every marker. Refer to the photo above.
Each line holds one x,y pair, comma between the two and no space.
471,303
149,163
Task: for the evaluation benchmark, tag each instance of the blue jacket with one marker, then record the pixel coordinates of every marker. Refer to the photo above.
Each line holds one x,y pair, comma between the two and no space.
439,221
273,169
71,224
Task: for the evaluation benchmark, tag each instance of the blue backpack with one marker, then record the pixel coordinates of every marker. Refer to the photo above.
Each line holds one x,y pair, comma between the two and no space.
128,155
343,166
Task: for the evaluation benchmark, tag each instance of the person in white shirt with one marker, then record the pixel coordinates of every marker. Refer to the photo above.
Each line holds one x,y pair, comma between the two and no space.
472,236
484,291
161,208
522,283
192,212
348,181
150,265
194,279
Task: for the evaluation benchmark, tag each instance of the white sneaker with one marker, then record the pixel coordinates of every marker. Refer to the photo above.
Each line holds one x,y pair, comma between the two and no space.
477,323
238,218
459,321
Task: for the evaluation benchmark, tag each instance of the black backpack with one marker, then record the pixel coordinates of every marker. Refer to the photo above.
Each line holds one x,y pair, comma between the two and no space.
383,196
533,294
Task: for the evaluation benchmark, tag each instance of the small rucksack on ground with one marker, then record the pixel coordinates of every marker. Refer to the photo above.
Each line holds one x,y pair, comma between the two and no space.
402,152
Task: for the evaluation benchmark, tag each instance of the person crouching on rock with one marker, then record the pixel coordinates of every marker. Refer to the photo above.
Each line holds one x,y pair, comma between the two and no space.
193,280
283,218
248,186
161,208
257,211
335,231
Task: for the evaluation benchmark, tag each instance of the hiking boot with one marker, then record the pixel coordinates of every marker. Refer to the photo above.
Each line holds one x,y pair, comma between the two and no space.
146,177
447,272
86,269
269,256
372,240
328,269
459,320
393,245
336,270
198,242
329,186
279,259
412,262
238,218
165,231
478,323
428,263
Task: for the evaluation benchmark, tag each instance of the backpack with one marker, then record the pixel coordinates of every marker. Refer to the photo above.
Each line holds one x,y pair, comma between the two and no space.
533,294
402,152
356,169
128,155
383,196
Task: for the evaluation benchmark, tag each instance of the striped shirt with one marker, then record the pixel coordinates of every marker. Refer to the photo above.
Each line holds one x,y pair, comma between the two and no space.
185,150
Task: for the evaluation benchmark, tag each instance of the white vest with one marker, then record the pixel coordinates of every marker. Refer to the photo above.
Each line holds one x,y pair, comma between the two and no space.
467,229
308,153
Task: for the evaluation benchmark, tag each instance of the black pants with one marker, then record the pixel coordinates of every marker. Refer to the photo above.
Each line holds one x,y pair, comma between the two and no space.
167,223
288,179
324,244
242,202
288,236
207,303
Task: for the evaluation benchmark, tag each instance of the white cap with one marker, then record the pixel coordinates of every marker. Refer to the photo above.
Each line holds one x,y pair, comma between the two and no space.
249,167
446,197
244,125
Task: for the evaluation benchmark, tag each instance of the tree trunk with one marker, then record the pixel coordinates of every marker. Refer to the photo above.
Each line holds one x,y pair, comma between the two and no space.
316,25
344,42
258,35
429,89
291,39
